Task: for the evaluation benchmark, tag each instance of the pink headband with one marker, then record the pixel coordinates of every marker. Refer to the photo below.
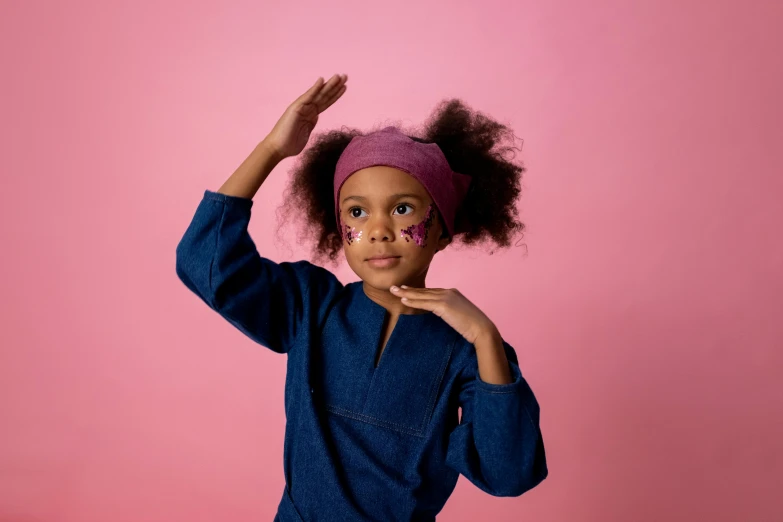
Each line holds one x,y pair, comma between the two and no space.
423,161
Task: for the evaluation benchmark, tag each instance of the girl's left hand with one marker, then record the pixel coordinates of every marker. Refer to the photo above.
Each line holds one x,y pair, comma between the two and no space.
451,306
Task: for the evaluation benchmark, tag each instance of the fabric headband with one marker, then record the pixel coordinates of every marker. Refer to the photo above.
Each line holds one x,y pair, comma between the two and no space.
424,161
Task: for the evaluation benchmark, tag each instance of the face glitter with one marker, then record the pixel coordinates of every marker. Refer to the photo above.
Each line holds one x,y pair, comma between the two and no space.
349,233
419,232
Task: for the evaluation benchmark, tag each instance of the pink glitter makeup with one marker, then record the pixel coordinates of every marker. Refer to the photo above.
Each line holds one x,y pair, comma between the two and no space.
419,232
349,233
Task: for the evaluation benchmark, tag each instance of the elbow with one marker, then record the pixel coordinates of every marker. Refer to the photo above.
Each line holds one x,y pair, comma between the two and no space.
531,469
182,274
181,260
534,473
181,264
520,483
193,272
531,479
518,486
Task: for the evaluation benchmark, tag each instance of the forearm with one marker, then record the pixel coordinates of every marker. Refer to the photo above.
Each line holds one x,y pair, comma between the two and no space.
249,176
492,360
498,443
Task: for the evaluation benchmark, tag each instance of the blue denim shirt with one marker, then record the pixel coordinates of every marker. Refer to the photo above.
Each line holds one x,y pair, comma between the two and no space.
363,442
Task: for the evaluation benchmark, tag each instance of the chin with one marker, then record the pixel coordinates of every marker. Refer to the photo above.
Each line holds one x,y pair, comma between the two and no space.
382,280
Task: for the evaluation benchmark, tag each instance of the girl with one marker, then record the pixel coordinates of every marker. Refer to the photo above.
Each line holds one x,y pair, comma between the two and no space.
377,368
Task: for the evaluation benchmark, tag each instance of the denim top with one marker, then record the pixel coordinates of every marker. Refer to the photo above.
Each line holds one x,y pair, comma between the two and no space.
363,442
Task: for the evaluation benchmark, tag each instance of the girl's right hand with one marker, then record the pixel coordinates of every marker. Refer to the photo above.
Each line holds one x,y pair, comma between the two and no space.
292,131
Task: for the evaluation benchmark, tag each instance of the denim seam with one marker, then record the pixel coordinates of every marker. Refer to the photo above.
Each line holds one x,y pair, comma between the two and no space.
524,405
225,198
372,420
529,417
217,196
509,392
305,311
436,387
214,254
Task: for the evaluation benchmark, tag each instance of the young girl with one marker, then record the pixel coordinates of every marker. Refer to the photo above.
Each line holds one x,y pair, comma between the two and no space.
377,368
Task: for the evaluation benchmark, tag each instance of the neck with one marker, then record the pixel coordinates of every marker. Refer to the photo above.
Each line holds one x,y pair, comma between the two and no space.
392,303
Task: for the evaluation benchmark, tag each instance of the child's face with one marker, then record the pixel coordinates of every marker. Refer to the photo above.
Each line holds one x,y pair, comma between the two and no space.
386,211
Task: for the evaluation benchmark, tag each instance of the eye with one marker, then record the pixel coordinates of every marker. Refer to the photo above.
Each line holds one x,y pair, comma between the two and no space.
352,212
404,205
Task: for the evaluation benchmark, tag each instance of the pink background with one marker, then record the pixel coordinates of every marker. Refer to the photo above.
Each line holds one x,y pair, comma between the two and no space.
646,313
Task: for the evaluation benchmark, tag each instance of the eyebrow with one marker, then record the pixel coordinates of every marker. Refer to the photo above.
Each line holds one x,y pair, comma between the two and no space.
392,197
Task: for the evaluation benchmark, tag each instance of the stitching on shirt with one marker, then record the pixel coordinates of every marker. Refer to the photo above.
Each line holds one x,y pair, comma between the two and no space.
497,392
331,304
394,334
372,420
436,386
427,413
530,418
306,309
513,387
480,385
214,254
371,417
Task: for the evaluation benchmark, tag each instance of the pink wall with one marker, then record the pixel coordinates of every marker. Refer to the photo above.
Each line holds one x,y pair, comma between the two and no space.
646,314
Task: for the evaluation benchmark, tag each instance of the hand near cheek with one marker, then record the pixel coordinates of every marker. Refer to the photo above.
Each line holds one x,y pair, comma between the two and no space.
451,306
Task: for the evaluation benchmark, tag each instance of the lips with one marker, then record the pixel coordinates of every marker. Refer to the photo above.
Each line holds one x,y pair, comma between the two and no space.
383,261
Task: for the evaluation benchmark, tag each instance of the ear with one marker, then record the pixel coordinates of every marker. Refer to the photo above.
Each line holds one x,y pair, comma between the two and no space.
443,242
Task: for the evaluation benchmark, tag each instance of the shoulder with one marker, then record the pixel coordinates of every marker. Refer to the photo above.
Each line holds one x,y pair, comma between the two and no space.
319,285
312,276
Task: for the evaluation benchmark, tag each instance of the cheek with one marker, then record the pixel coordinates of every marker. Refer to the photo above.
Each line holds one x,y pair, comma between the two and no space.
419,232
349,234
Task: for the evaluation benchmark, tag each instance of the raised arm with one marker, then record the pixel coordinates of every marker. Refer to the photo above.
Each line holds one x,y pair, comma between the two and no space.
218,260
288,137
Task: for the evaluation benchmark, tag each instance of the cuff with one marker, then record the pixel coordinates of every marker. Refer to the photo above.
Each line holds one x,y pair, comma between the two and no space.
225,198
511,387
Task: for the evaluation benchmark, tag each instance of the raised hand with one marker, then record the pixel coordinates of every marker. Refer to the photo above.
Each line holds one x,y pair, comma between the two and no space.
451,306
292,131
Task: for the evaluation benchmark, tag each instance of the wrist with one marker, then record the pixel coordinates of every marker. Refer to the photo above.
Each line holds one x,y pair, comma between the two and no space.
272,151
488,335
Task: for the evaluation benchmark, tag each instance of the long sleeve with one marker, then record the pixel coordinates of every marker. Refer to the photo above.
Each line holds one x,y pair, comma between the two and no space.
498,444
218,260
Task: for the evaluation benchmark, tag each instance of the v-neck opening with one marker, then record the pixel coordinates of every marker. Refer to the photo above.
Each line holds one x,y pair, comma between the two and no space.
393,335
380,322
378,356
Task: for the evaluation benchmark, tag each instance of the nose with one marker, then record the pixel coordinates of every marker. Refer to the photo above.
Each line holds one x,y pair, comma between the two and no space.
380,229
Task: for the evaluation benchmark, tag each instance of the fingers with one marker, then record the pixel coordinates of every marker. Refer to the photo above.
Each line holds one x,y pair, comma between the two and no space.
423,304
425,294
326,96
311,92
405,288
334,98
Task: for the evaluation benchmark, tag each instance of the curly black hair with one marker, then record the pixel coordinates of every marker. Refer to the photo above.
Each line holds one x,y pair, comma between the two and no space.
473,144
